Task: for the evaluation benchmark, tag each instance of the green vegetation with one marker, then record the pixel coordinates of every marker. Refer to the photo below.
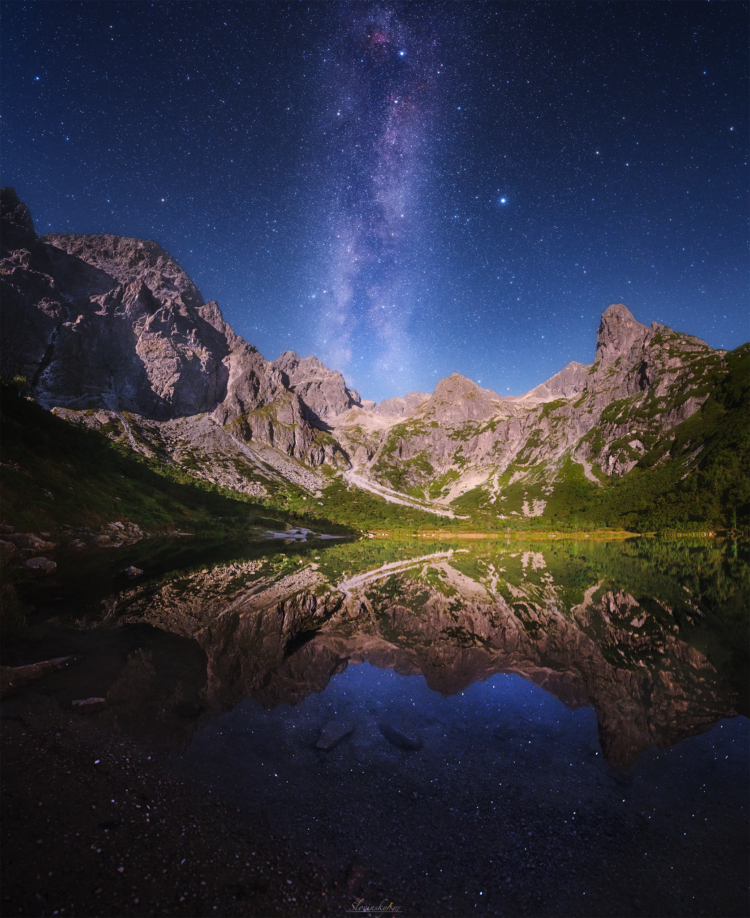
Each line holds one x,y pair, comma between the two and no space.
362,510
698,474
57,473
692,478
406,473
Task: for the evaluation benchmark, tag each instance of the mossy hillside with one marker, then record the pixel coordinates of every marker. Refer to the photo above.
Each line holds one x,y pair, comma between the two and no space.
694,476
563,487
402,474
440,486
406,474
698,474
364,511
639,416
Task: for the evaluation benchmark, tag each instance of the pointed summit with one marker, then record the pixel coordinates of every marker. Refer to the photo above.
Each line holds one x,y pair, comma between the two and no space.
618,332
323,392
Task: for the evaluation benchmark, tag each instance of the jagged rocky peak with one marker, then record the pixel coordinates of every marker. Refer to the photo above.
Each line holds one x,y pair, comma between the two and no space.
16,224
114,324
301,369
458,399
618,331
566,384
322,391
129,261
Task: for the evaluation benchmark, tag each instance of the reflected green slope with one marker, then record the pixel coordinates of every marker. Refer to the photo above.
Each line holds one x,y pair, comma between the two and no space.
652,634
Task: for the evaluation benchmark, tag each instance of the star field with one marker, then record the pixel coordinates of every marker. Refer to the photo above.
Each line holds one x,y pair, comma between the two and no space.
404,189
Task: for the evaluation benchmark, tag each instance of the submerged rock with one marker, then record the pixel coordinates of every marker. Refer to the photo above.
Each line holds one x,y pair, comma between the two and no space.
402,739
90,705
333,732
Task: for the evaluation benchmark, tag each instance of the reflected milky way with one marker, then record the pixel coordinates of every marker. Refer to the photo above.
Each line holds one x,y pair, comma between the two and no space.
468,727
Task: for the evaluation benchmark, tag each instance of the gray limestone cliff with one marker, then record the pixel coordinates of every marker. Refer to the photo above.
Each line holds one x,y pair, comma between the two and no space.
112,324
111,332
644,381
323,392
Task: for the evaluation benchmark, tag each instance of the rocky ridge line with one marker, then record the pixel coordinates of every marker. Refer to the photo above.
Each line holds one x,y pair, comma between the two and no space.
112,333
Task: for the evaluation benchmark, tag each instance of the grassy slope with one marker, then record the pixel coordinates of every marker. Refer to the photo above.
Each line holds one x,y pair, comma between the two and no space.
55,472
70,475
664,491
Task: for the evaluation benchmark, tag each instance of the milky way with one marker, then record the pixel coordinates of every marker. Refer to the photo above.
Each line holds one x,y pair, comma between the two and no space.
381,75
548,159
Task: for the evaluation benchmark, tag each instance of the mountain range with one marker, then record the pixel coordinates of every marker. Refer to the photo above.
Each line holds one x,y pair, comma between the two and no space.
111,333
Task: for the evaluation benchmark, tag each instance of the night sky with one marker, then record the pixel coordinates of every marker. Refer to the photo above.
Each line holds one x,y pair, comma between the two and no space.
405,190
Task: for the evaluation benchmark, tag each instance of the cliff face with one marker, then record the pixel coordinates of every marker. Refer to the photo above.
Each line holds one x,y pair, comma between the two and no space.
643,382
112,326
323,392
111,332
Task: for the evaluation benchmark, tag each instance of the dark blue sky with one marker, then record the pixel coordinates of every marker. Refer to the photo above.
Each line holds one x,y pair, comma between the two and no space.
404,189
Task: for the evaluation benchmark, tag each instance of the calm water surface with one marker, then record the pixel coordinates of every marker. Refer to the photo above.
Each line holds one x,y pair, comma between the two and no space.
487,728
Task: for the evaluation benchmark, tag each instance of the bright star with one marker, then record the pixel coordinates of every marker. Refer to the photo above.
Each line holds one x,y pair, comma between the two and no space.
503,200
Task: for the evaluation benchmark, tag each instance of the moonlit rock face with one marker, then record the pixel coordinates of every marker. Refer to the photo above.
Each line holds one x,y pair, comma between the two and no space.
568,382
323,392
104,325
618,332
399,407
112,324
133,332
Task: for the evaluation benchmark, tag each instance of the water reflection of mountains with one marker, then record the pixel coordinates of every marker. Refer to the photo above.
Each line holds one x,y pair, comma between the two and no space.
652,634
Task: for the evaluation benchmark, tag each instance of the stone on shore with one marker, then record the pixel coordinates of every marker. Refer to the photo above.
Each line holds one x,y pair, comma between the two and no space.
41,566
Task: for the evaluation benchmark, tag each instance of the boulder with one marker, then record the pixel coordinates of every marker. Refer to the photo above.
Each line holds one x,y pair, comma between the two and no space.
41,566
132,572
30,541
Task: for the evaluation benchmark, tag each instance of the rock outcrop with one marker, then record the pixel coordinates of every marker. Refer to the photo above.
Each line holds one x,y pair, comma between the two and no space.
644,381
113,333
323,392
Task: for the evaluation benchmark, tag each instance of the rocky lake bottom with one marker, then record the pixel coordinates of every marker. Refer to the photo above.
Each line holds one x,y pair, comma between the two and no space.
368,763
